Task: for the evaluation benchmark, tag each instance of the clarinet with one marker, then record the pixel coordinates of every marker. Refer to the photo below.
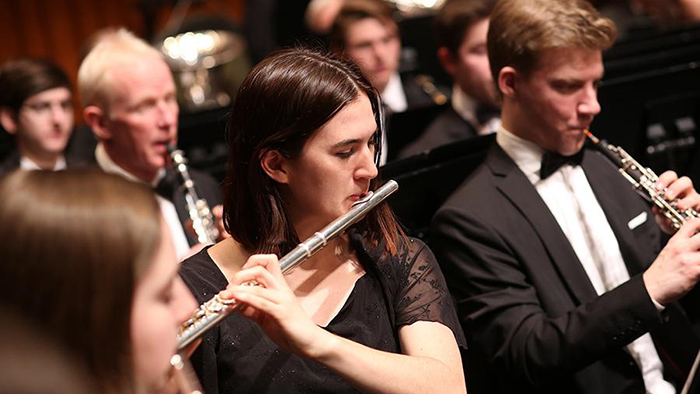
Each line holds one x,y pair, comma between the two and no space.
216,309
643,180
203,220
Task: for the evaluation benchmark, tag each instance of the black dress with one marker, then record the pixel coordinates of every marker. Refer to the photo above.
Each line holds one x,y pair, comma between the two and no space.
237,356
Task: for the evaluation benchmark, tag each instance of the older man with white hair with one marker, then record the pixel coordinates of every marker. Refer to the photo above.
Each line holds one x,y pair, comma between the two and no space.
130,103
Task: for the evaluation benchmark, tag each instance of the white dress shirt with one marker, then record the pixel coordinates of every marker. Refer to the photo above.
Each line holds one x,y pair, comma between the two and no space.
569,197
393,95
466,106
167,208
28,164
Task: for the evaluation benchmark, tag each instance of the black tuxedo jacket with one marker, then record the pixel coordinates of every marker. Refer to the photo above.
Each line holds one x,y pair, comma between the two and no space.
446,128
533,319
416,96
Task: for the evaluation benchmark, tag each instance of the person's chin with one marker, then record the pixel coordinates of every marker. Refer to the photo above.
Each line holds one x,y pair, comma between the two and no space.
157,163
571,148
56,146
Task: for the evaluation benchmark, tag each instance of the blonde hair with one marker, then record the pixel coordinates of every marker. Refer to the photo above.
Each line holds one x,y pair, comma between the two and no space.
520,30
113,49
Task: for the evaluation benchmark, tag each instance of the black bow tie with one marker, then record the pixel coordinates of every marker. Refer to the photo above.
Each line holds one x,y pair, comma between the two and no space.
551,162
484,113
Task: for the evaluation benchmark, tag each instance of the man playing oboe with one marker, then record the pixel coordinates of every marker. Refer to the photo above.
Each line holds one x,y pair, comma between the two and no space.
552,257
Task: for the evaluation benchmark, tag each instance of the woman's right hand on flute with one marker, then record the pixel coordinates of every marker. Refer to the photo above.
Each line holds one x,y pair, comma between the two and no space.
274,307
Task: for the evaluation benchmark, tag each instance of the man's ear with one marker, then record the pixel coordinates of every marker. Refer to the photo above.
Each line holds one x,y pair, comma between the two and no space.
447,60
275,165
507,79
8,119
97,120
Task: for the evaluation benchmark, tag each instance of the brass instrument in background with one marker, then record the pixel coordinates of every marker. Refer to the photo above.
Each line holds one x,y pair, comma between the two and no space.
216,309
428,85
203,220
643,180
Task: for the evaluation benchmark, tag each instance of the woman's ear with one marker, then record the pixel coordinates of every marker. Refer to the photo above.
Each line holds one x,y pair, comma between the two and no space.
275,165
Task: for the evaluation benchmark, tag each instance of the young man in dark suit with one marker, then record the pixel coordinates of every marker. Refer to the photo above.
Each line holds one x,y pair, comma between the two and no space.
36,107
556,269
461,28
365,31
129,97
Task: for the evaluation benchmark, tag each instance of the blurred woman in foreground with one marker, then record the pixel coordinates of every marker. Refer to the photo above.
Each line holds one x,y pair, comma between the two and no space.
87,257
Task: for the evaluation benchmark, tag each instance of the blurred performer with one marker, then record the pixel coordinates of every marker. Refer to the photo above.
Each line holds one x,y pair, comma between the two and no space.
88,258
370,312
552,257
366,32
36,107
461,28
30,363
129,97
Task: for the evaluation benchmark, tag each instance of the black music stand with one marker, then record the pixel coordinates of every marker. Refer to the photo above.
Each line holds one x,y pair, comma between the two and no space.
405,127
654,116
429,178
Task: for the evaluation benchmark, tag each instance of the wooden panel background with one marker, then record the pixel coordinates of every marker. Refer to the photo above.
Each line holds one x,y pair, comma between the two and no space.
58,29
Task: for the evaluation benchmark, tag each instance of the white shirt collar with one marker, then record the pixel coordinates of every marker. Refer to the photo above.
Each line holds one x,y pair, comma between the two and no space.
393,95
526,155
464,105
28,164
108,165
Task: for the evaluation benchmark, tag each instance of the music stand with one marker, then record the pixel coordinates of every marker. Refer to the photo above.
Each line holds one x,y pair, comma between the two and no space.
429,178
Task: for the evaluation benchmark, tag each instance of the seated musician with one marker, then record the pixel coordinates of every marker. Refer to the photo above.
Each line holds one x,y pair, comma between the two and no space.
369,312
36,107
365,31
552,257
461,28
129,97
88,259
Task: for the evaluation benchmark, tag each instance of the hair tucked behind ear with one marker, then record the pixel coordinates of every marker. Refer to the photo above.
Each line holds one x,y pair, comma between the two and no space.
282,102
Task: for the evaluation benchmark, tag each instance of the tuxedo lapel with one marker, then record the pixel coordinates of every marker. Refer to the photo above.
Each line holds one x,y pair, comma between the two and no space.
612,194
515,186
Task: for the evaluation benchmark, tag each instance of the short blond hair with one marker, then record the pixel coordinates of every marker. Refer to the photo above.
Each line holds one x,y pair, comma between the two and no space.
113,49
520,30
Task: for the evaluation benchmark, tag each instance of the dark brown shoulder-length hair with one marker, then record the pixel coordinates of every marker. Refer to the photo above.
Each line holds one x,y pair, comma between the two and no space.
282,102
74,245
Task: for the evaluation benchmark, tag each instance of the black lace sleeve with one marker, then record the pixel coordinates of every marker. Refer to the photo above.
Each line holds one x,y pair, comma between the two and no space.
420,292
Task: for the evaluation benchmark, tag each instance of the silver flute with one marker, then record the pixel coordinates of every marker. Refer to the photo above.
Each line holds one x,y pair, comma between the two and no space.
216,309
203,220
643,180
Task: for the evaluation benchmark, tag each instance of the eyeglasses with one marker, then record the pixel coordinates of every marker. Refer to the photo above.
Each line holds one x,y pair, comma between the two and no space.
46,107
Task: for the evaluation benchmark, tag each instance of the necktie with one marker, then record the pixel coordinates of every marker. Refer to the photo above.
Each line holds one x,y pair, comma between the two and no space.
551,162
484,113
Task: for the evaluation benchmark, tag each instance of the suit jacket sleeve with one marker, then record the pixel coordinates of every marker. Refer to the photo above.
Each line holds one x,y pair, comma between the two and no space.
501,310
